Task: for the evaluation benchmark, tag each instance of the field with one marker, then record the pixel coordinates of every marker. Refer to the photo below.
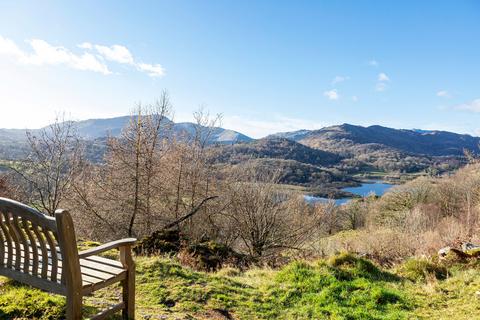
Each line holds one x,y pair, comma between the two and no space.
342,287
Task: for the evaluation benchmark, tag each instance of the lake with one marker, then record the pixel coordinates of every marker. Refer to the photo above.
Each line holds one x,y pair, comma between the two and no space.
377,187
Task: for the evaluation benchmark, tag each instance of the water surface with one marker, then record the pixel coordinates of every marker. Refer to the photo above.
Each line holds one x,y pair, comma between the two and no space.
376,187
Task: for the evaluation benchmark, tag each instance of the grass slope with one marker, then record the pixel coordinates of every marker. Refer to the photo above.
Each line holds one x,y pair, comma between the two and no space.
343,287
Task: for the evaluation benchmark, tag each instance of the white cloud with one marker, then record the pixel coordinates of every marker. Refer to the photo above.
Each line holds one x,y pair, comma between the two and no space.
373,63
153,70
9,48
121,54
44,53
332,94
443,94
339,79
382,80
354,98
472,106
383,77
116,53
85,45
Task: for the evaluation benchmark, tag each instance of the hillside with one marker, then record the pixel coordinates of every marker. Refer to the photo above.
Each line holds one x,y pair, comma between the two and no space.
14,144
99,128
342,287
387,149
430,143
277,148
347,148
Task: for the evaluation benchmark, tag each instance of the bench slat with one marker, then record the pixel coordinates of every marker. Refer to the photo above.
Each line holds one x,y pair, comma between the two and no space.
22,241
94,270
43,247
2,247
52,244
8,239
31,238
13,236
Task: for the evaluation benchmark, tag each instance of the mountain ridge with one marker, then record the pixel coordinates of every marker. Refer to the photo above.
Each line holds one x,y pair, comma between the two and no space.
346,147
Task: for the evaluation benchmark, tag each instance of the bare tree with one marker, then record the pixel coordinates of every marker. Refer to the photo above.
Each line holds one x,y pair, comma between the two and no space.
265,219
128,180
55,159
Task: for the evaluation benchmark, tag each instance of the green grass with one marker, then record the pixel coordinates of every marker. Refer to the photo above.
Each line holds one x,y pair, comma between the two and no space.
342,287
452,299
422,270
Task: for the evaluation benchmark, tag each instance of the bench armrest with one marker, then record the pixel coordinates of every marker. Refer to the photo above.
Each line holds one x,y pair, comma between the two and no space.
107,246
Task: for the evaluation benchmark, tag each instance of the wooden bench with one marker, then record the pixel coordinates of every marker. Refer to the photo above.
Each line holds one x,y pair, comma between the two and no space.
41,251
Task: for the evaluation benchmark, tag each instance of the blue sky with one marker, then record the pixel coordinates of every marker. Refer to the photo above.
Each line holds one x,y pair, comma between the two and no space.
267,66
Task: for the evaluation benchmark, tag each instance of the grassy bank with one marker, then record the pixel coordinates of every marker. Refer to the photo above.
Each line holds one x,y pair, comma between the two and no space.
343,287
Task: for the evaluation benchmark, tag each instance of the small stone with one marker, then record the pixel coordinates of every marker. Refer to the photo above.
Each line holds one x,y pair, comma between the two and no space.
442,253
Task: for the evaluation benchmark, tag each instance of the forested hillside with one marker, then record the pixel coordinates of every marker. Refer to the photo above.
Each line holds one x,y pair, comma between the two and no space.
309,157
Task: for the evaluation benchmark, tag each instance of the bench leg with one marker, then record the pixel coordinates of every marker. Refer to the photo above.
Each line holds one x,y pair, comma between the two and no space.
128,285
129,299
74,306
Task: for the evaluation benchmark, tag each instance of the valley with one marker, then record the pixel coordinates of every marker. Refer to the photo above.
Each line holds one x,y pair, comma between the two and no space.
322,162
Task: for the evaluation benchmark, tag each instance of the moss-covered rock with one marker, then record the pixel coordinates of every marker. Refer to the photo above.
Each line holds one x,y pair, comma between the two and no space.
160,242
210,256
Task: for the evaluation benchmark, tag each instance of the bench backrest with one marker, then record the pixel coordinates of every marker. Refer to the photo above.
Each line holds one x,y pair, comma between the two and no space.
37,249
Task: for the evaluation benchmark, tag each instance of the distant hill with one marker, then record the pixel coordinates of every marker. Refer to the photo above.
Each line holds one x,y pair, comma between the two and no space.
99,128
275,148
14,145
345,149
292,135
385,149
432,143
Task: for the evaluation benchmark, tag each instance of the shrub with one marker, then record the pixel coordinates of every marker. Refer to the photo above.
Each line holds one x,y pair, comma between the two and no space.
210,256
422,269
162,241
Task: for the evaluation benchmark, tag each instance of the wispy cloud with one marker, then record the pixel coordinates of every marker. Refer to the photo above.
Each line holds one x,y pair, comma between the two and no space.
339,79
383,77
332,94
472,106
382,80
121,54
91,58
373,63
116,53
153,70
443,94
44,53
354,98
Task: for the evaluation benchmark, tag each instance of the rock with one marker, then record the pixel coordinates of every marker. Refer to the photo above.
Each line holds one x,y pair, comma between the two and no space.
471,250
442,253
467,246
162,241
210,256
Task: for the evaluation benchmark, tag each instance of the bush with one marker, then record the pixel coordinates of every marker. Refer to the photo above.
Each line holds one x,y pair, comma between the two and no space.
210,256
159,242
422,269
